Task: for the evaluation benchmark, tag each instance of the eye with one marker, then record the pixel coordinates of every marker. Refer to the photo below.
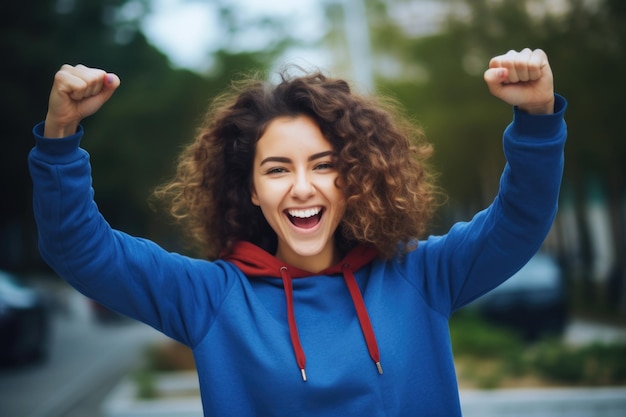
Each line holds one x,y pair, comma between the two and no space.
324,166
276,170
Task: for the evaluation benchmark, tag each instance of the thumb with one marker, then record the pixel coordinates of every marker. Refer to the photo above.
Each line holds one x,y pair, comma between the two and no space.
111,83
494,77
92,104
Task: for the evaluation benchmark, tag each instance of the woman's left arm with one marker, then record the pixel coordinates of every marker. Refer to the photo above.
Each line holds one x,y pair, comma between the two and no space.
475,256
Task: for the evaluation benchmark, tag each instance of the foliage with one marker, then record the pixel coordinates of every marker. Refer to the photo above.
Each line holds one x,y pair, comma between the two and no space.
473,336
146,385
438,77
163,358
593,365
442,84
492,356
133,140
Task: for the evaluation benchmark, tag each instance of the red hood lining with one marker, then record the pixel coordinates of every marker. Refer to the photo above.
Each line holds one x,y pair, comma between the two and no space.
256,262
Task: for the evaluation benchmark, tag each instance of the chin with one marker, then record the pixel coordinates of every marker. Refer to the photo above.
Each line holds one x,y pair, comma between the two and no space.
309,251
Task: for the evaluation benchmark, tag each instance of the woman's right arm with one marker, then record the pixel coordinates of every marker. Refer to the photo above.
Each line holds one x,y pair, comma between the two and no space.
130,275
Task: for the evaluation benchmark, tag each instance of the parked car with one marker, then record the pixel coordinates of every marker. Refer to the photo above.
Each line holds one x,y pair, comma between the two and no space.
533,301
24,322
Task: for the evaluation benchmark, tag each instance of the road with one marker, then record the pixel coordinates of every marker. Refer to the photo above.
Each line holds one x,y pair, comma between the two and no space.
86,360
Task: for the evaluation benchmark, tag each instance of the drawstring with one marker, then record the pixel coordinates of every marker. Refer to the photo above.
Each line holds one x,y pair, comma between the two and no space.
364,319
291,319
361,311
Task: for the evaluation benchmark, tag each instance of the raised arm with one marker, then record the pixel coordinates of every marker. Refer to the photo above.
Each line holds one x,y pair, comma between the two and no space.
131,275
476,256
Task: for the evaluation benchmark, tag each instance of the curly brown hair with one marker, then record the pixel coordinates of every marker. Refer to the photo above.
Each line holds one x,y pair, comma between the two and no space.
380,157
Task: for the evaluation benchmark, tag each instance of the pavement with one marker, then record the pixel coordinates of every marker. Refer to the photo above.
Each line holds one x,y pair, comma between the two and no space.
86,360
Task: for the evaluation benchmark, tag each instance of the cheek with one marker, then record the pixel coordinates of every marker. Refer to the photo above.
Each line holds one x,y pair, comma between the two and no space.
258,190
338,200
265,194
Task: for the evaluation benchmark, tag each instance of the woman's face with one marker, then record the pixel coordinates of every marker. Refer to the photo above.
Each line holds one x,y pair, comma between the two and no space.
294,184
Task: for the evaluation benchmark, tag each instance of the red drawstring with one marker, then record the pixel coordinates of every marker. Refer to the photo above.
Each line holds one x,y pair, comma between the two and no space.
364,319
291,319
361,311
254,262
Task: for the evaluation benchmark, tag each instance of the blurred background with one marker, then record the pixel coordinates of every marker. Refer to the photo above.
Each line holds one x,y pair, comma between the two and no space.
174,56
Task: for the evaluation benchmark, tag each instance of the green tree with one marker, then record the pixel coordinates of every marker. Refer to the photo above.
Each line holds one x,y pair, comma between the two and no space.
441,84
133,140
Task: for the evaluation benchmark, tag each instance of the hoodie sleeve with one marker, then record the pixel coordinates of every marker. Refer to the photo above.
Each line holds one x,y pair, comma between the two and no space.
476,256
175,294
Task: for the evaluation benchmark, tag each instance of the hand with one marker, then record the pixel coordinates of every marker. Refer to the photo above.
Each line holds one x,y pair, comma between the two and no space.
522,79
77,92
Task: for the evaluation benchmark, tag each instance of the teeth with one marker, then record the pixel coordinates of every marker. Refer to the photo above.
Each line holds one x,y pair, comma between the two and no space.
303,214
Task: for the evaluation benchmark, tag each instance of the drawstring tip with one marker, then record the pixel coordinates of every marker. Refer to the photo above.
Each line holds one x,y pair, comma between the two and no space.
303,372
380,368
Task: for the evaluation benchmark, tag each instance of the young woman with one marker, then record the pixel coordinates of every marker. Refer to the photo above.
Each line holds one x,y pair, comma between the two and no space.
316,297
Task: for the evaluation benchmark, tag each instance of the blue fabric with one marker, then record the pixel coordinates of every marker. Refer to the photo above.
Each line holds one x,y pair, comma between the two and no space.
237,326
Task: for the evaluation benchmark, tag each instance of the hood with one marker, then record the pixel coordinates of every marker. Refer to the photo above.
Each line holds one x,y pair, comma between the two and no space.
256,262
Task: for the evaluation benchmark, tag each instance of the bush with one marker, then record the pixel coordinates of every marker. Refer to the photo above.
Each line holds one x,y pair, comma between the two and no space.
472,336
593,365
146,384
491,354
161,357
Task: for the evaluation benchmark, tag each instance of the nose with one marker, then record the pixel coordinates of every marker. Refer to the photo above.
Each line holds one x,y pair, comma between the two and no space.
302,187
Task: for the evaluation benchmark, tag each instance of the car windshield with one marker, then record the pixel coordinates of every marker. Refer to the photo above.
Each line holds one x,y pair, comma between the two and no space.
541,272
13,292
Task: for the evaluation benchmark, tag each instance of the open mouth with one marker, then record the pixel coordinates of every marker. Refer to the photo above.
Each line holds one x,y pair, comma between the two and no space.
306,218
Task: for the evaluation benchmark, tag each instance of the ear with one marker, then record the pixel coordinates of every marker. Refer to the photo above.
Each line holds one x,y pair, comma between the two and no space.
253,196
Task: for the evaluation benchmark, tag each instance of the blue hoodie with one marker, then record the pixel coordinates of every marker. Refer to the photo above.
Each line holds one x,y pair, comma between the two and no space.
367,337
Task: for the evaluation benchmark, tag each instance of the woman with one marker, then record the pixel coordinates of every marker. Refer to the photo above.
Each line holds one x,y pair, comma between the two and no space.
316,298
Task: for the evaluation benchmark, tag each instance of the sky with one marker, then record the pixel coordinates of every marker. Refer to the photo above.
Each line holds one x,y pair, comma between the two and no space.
186,30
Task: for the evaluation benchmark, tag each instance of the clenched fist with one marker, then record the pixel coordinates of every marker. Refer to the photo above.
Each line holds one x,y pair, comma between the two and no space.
77,92
522,79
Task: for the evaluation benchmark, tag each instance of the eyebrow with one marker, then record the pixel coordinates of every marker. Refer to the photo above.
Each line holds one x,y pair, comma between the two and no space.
284,160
